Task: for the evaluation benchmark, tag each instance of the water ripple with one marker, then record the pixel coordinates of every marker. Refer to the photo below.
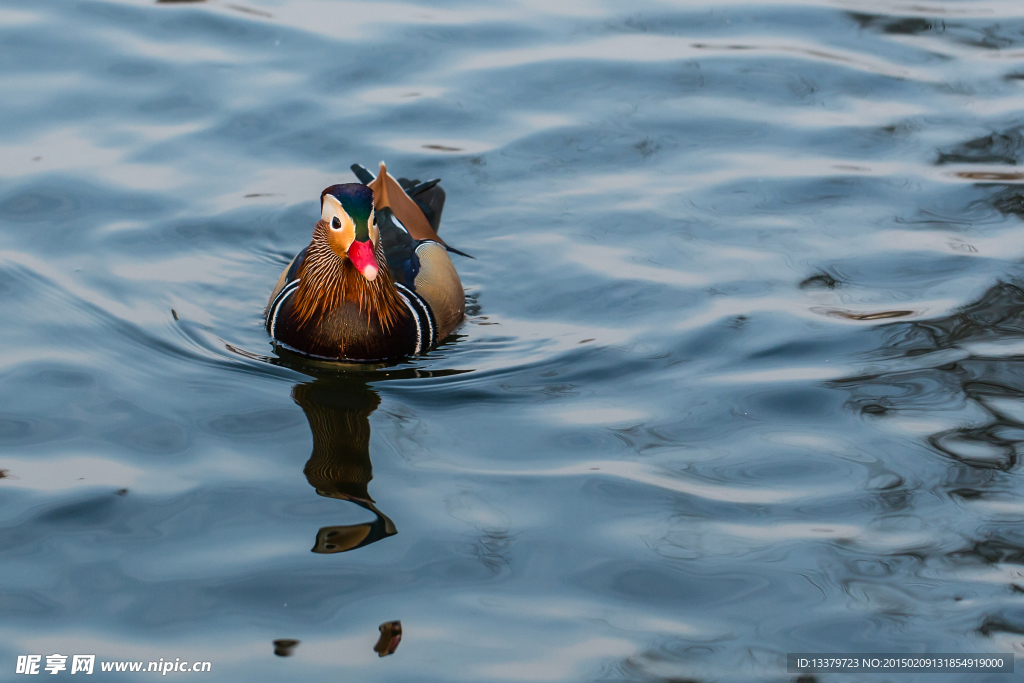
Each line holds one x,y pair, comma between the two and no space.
741,373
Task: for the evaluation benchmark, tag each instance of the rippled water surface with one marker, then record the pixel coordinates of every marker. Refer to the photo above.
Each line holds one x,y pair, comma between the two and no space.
743,372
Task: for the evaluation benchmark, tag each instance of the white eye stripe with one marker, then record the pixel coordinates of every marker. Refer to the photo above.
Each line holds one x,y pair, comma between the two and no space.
331,207
334,215
337,221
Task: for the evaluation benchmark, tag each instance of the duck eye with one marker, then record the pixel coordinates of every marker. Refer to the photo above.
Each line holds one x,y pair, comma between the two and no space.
335,223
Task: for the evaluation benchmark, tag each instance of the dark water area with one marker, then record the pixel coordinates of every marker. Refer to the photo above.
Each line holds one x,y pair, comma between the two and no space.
742,372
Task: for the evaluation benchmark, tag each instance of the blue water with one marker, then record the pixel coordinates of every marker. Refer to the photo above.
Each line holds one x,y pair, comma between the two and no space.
742,372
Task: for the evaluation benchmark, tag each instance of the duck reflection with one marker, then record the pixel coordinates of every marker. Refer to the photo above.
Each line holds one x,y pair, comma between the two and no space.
966,365
962,376
338,410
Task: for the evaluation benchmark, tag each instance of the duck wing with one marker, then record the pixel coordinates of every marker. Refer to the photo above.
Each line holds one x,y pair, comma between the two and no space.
288,275
399,249
429,196
389,194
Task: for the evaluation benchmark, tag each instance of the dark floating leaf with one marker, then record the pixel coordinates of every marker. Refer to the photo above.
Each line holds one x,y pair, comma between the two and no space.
851,315
906,26
997,148
989,175
390,637
820,280
988,36
250,10
285,647
993,625
442,148
1009,201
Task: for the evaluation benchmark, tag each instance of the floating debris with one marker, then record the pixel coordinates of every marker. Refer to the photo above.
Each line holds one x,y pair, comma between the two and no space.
820,280
285,647
250,10
853,315
1000,147
390,637
989,175
874,409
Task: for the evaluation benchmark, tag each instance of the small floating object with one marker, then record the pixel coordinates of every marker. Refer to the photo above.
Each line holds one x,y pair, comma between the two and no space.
390,637
376,282
854,315
821,280
285,647
994,176
250,10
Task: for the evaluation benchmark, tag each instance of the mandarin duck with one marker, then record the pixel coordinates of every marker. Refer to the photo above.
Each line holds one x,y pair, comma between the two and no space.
376,282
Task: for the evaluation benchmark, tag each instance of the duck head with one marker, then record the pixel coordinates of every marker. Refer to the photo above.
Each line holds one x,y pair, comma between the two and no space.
347,211
345,263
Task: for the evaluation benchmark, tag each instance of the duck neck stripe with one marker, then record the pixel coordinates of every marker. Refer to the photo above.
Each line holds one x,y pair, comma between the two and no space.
416,318
426,326
275,308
